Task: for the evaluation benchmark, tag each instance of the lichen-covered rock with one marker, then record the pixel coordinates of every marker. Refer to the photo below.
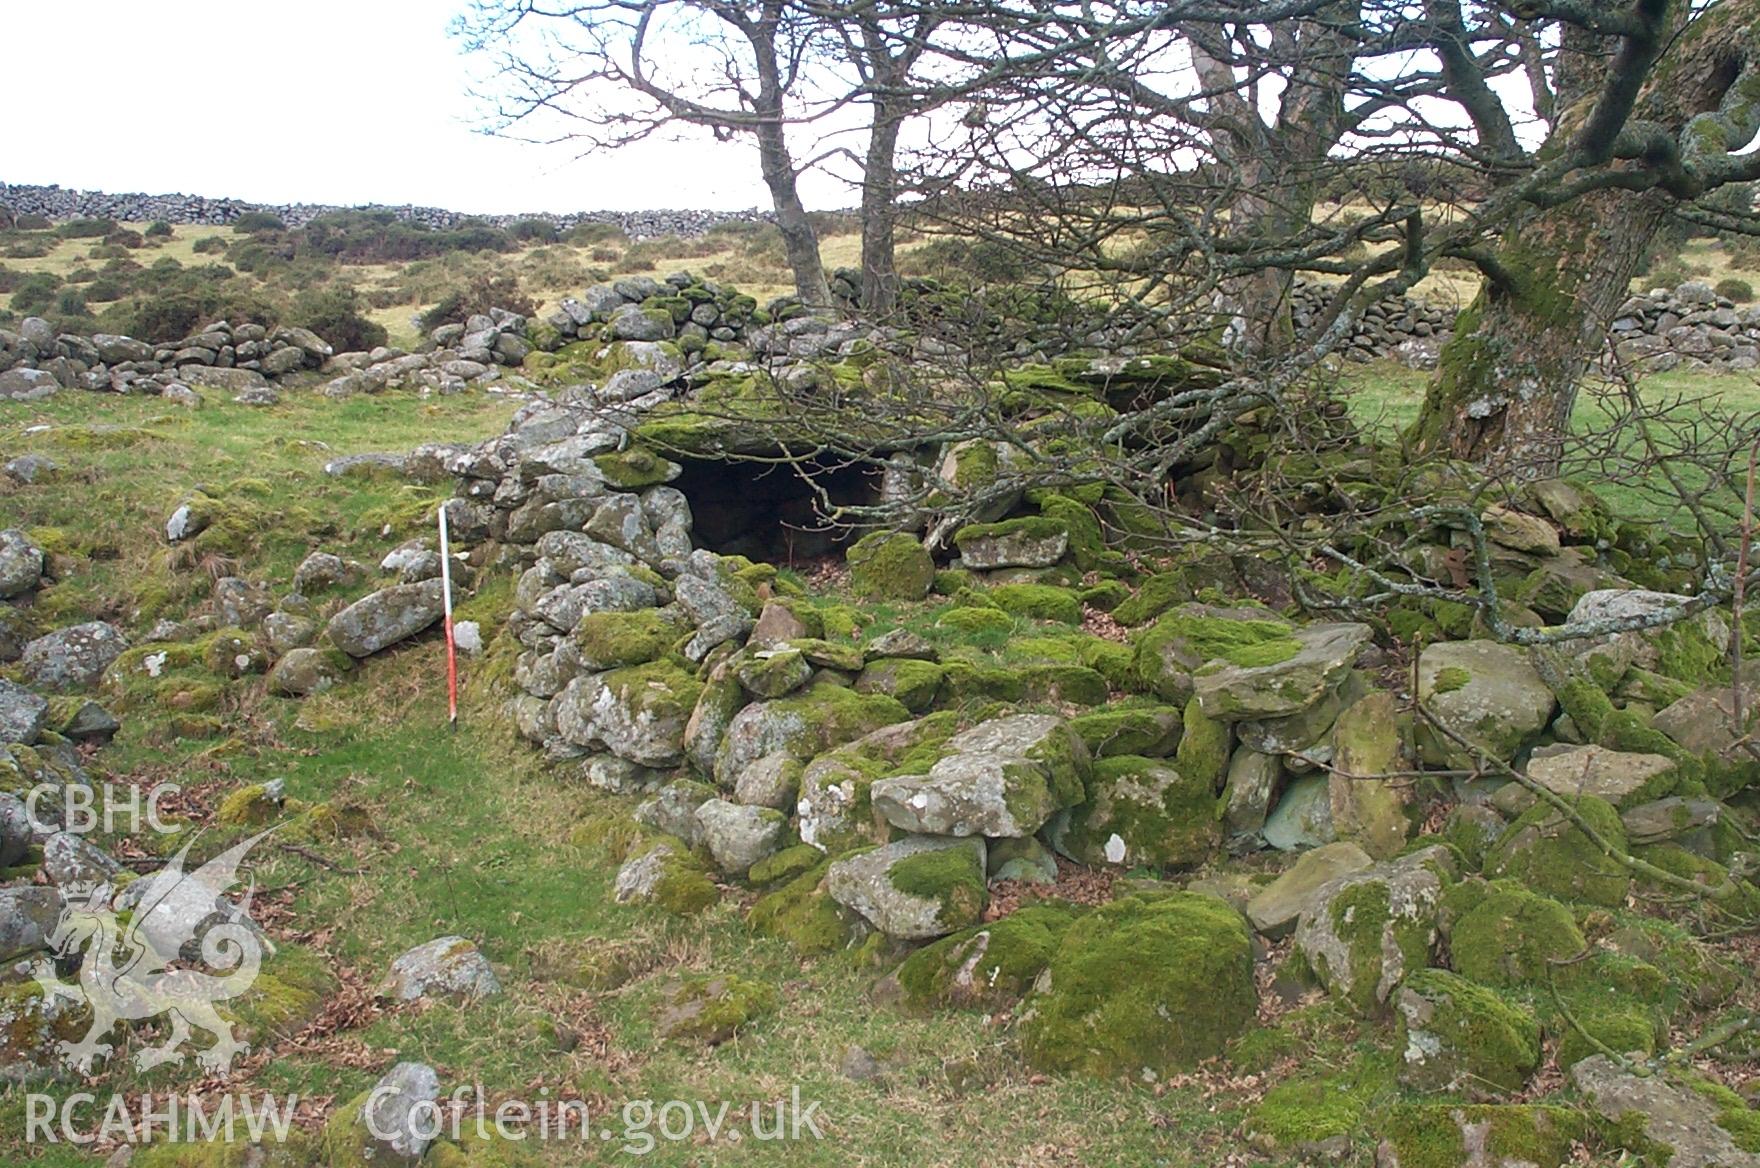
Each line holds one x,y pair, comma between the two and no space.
836,811
1022,859
1247,795
1684,1125
990,967
1274,909
1623,778
914,888
1690,650
771,673
1364,932
737,835
383,618
664,875
638,713
773,781
890,565
1141,812
1457,1036
1487,694
803,725
712,1009
1368,804
1232,691
23,714
72,657
968,795
1545,851
1141,988
672,810
397,1131
33,1027
1034,542
21,563
304,671
447,967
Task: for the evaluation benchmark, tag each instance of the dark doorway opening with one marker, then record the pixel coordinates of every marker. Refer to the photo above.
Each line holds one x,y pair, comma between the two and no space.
769,511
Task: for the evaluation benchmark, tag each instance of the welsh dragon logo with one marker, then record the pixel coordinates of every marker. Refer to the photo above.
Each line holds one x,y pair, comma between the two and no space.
137,968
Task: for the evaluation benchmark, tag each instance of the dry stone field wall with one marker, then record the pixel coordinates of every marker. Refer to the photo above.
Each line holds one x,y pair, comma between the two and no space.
55,202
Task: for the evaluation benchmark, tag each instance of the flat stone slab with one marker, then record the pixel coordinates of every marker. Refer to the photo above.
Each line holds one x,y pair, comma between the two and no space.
1614,775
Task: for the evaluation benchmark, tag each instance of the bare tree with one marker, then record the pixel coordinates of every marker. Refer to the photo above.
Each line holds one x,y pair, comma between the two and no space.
612,72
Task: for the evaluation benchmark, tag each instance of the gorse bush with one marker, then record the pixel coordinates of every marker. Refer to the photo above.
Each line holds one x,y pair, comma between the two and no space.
1734,289
158,229
483,292
534,231
209,244
334,314
984,261
35,293
30,222
376,237
86,228
255,222
590,233
173,302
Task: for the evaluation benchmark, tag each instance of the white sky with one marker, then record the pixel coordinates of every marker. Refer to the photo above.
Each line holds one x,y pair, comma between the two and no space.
324,101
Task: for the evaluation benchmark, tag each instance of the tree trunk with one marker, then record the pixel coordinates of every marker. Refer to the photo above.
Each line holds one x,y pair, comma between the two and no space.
880,212
1507,381
799,241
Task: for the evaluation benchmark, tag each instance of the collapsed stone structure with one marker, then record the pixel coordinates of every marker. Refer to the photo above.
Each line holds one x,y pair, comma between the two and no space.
36,361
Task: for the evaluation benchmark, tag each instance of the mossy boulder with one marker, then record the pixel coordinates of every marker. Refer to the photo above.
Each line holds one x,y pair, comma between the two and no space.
1168,652
914,683
1043,602
803,725
636,468
1268,680
987,968
1460,1037
977,622
1142,988
1501,933
890,565
1141,812
803,913
1150,731
914,888
667,876
1364,932
710,1009
1549,854
1033,542
1368,804
616,640
1153,596
1485,1135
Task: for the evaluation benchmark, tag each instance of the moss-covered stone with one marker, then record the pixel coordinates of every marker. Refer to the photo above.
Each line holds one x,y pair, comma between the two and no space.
1546,852
1141,812
1150,731
1501,933
1143,987
986,968
711,1009
786,864
802,913
1038,602
977,622
890,565
913,683
1204,747
947,876
634,468
1458,1036
1452,1135
1366,931
1153,597
615,640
